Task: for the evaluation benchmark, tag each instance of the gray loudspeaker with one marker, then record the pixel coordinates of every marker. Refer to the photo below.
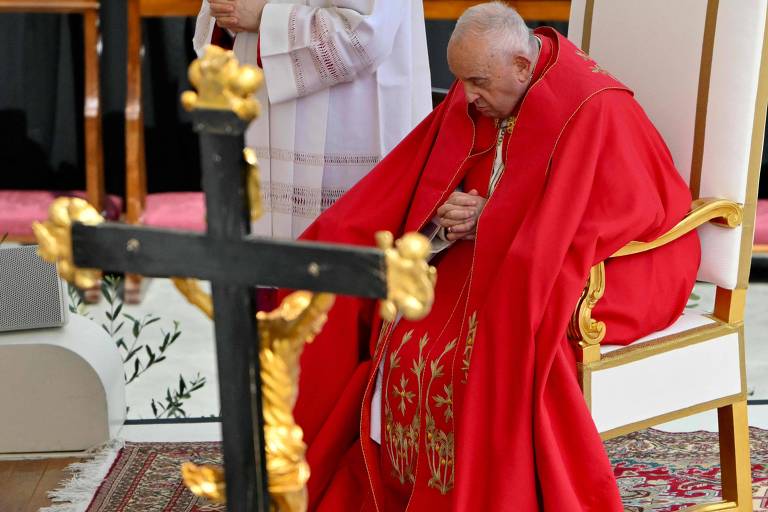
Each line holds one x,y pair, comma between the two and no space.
31,294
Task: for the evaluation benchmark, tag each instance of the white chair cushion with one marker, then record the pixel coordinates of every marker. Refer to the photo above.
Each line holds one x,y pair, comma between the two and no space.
670,381
687,321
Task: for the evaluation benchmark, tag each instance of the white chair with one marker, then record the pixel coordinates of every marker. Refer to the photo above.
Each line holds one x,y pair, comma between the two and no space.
699,69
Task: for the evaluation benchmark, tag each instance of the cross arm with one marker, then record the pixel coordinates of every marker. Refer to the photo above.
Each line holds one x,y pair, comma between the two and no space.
346,270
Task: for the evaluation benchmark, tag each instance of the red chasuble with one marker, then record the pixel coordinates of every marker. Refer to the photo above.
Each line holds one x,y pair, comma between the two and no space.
481,407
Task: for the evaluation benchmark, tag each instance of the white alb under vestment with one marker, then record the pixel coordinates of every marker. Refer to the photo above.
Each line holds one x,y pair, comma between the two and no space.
346,80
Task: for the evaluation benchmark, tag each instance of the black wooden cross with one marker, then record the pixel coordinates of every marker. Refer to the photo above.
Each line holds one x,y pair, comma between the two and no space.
234,263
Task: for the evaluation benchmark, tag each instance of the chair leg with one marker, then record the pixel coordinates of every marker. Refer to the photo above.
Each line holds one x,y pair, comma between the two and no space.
134,287
734,455
92,295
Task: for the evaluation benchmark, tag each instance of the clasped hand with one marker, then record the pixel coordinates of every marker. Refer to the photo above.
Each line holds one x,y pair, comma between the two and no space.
459,214
238,15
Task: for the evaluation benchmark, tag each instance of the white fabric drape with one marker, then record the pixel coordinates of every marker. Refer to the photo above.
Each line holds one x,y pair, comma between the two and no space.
346,80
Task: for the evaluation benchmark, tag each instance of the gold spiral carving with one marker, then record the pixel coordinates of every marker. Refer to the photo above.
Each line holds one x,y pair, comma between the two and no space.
583,328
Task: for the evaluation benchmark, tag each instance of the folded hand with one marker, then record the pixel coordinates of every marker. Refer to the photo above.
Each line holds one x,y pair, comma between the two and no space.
459,214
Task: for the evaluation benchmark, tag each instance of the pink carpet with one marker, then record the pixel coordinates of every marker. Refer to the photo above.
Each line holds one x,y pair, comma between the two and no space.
20,208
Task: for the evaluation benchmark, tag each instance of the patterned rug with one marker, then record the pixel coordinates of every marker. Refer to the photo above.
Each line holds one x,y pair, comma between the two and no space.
655,470
664,472
146,477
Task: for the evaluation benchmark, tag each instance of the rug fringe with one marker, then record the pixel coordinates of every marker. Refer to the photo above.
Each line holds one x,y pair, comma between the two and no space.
76,494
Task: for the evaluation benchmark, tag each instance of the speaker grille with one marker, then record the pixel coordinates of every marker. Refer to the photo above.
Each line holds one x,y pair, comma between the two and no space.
30,291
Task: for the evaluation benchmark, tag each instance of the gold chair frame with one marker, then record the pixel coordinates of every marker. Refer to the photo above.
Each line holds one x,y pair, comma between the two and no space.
728,314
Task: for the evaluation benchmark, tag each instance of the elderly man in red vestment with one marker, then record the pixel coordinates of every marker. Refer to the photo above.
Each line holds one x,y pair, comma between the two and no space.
537,165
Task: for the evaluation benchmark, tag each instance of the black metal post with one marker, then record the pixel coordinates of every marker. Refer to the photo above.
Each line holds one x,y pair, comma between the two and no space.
224,175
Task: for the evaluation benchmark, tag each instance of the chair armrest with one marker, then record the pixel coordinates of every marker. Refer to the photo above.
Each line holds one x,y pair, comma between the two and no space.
721,212
588,332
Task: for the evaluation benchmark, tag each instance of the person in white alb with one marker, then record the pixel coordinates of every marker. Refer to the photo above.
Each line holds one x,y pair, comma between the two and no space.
346,80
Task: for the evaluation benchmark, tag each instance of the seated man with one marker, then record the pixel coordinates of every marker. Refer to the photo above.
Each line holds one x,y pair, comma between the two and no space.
538,165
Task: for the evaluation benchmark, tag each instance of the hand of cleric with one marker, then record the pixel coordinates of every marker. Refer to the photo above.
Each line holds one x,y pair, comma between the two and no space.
238,15
459,214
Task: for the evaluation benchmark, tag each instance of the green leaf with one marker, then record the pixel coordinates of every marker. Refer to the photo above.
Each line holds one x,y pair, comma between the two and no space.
136,329
182,385
136,369
133,353
150,354
118,309
105,291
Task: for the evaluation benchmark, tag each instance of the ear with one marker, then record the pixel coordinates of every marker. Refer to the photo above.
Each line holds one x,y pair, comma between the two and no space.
522,67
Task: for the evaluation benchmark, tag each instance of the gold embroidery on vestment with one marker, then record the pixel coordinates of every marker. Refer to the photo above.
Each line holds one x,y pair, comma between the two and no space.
440,444
402,440
469,345
595,67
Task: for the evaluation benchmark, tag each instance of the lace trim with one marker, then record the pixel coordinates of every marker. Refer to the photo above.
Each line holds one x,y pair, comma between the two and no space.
324,52
356,44
317,159
299,200
298,70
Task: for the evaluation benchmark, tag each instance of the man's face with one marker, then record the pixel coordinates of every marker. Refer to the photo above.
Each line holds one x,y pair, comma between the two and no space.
494,79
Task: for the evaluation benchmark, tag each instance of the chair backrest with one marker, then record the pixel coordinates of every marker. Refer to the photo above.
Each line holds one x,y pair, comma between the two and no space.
135,164
164,8
698,69
94,156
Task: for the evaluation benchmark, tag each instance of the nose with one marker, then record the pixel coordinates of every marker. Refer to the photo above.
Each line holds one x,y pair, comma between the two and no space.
470,93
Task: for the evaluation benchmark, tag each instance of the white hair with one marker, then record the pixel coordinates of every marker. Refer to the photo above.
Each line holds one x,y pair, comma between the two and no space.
498,22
